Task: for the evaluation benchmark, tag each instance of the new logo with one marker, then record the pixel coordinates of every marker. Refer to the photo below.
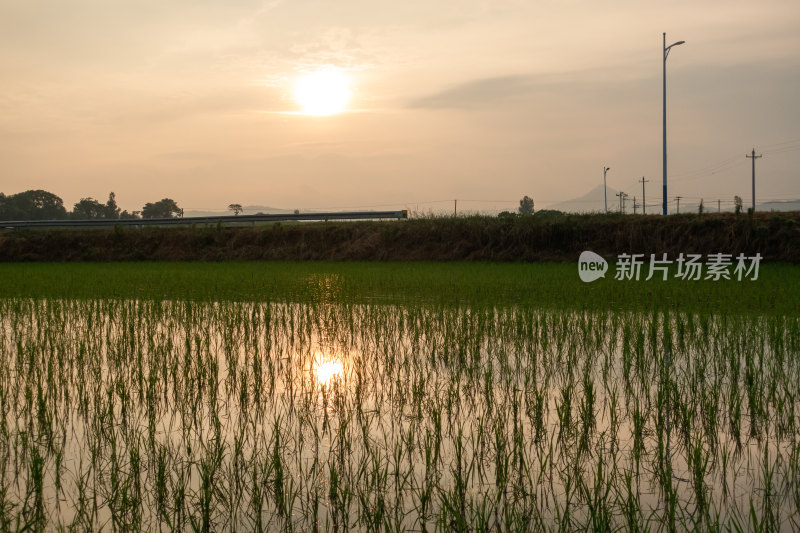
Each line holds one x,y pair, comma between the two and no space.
591,266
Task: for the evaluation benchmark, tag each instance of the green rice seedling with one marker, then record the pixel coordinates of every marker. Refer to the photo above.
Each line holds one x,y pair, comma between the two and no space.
33,512
207,493
563,509
698,461
613,415
81,502
735,416
564,410
162,482
632,512
587,415
769,519
597,497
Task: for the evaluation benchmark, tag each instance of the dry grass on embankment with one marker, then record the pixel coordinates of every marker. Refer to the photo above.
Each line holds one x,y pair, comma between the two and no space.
477,238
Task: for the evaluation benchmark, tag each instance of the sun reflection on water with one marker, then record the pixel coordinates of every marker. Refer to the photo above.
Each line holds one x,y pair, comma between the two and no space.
328,369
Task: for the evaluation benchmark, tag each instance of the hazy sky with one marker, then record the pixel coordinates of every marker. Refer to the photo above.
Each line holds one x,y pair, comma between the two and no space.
480,100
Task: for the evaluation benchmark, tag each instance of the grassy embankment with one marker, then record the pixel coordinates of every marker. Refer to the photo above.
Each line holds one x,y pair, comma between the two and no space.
475,238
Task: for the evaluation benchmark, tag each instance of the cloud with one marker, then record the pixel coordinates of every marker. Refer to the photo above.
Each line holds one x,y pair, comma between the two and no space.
478,93
577,83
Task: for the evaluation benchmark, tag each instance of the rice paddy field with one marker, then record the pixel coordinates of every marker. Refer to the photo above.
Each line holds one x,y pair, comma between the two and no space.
395,397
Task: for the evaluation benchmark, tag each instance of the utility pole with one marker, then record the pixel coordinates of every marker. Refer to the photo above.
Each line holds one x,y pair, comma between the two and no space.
455,208
753,156
719,206
622,197
644,202
605,191
679,203
634,205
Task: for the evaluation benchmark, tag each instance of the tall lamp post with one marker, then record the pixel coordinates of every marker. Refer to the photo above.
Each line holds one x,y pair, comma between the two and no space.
666,352
666,53
605,190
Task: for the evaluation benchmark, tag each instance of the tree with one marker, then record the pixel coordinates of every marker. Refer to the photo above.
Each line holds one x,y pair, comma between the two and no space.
526,206
32,205
737,202
236,208
111,208
125,215
700,207
164,208
88,208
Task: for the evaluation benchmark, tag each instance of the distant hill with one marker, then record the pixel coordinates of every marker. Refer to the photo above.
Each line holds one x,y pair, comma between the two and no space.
591,202
248,210
780,205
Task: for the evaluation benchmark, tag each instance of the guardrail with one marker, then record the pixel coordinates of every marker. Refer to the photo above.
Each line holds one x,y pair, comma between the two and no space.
188,221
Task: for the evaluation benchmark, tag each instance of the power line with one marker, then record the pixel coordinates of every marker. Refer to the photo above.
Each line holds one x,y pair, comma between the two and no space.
735,161
780,144
708,168
782,150
710,171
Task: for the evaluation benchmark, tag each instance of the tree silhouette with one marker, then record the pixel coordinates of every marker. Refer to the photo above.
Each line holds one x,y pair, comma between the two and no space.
236,208
111,208
165,208
88,208
32,205
526,206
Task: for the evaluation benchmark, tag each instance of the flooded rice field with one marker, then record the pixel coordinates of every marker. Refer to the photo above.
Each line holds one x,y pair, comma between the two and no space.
126,415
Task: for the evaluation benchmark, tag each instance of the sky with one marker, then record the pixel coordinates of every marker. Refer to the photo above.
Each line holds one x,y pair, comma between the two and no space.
483,101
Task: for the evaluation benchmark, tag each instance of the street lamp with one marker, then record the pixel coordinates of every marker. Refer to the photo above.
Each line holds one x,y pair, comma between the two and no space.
605,191
666,53
666,352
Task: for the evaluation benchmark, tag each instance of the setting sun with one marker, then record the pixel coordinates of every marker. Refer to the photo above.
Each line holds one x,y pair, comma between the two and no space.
322,92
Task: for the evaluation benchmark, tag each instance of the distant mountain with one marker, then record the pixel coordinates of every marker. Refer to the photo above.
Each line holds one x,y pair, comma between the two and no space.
592,202
248,210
